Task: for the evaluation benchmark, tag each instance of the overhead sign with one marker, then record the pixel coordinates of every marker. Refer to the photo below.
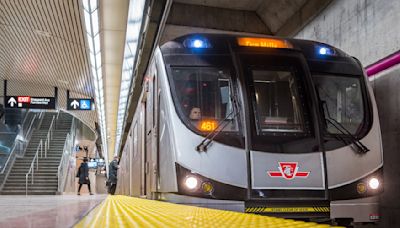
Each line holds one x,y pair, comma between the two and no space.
79,104
30,102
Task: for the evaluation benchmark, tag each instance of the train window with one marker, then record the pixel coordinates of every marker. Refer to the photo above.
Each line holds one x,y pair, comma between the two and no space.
342,101
277,101
204,97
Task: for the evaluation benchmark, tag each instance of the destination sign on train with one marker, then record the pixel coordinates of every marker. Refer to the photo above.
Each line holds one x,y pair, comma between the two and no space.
30,102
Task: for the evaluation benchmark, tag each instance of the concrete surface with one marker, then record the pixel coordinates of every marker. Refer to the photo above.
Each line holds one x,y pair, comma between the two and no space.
366,29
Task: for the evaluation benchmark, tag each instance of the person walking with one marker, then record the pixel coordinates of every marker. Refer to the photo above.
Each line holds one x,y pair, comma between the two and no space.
112,175
83,174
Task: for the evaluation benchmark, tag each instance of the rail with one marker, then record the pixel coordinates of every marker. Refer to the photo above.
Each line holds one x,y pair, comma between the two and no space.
49,137
14,149
32,167
67,152
63,164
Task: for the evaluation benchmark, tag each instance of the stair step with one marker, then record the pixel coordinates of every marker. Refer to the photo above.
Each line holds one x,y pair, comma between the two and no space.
32,188
29,192
35,185
23,179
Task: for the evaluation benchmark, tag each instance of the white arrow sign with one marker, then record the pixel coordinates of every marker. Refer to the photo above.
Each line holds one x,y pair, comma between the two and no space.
75,104
12,102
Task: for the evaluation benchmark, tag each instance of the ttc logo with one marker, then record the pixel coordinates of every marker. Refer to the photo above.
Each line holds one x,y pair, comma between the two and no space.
288,170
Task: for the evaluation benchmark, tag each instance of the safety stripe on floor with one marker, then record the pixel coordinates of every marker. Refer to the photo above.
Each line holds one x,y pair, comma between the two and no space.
124,211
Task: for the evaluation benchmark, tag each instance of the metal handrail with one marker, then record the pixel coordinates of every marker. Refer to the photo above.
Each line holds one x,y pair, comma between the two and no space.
68,146
32,167
30,126
26,117
41,117
15,144
48,137
9,157
63,162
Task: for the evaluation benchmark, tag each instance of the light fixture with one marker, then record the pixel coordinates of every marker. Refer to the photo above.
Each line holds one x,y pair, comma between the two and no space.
197,42
323,50
191,182
373,183
91,15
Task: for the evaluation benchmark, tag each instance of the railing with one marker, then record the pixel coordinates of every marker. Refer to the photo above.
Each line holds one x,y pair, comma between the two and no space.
49,137
19,145
65,159
32,167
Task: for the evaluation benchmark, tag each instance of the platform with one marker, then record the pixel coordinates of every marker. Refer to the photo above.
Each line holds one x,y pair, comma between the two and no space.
45,211
123,211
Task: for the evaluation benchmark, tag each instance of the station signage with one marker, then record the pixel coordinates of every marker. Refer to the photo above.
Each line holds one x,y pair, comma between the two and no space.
82,104
30,102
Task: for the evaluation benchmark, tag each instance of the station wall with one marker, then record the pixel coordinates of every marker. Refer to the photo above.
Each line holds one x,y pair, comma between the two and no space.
366,29
370,31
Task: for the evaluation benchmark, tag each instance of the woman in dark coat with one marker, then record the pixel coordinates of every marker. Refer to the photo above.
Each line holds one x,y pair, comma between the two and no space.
83,174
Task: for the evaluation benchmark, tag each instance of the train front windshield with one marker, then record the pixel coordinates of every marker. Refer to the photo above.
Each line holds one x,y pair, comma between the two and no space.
277,101
204,97
342,101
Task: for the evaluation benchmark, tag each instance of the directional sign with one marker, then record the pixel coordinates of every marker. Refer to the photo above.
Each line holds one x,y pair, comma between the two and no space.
79,104
30,102
12,102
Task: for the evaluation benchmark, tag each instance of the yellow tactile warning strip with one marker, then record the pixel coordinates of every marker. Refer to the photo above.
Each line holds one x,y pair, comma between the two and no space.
123,211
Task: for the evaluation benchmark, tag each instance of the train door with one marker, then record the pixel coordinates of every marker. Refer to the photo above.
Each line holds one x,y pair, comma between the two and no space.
151,134
130,163
284,154
142,149
136,165
154,151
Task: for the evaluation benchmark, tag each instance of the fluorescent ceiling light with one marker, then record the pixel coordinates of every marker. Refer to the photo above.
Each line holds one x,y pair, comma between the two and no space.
93,37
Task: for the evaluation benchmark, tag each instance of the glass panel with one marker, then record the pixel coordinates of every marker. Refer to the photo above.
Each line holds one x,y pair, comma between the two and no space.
277,101
342,100
204,96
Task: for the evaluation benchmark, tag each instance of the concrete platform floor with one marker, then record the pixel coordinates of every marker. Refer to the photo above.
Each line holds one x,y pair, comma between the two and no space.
45,211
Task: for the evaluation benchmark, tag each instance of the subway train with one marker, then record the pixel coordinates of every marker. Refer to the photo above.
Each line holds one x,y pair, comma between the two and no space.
264,125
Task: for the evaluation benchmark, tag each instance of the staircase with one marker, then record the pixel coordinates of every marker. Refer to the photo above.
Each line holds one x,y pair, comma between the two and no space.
45,177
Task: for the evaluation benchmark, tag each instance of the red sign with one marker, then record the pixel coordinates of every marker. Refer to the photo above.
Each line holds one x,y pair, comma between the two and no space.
288,170
25,99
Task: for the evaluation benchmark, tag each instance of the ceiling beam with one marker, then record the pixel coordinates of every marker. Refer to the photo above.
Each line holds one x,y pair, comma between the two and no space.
216,18
302,17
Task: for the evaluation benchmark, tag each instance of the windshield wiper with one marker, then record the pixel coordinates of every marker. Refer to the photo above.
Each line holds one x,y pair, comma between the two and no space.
360,147
202,147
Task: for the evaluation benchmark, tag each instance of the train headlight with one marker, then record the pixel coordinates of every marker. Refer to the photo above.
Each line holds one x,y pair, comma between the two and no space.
373,183
191,182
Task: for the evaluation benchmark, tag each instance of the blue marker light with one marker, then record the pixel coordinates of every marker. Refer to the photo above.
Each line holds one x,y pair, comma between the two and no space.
323,51
198,43
326,51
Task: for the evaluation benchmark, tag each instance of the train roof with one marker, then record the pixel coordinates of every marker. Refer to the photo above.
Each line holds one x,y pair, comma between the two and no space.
223,42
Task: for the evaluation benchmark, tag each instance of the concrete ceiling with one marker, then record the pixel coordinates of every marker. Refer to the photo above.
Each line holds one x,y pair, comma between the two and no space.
271,17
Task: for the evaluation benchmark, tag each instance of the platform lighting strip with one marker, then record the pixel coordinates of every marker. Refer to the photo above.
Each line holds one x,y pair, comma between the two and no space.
135,18
91,12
